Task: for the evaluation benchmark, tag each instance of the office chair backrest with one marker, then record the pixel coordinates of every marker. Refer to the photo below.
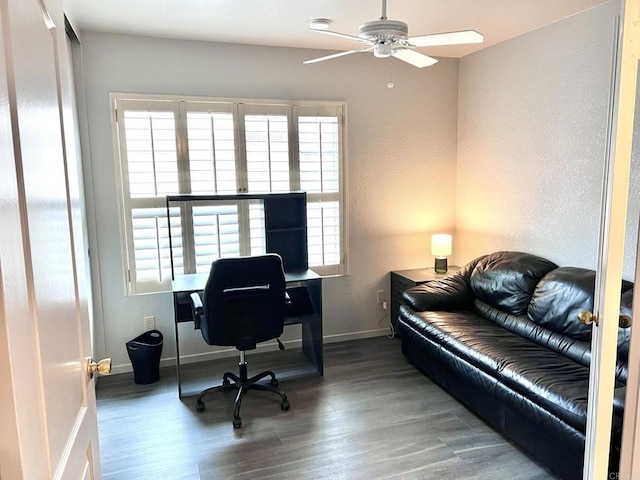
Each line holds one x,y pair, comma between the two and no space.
244,301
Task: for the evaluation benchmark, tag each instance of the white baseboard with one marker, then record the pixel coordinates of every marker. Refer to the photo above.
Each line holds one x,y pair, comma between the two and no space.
343,337
263,347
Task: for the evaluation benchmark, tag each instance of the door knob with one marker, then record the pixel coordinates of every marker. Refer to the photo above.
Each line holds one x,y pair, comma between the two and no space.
624,321
588,318
103,367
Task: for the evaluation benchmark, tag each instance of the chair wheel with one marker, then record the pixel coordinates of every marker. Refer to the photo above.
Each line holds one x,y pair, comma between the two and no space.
237,422
274,382
226,382
199,406
285,405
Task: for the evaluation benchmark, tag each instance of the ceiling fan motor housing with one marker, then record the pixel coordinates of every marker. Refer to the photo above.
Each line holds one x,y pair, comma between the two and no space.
387,31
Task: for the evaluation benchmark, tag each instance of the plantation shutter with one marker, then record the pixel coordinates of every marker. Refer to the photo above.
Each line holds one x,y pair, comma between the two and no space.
181,146
265,129
266,135
214,231
211,147
319,165
149,171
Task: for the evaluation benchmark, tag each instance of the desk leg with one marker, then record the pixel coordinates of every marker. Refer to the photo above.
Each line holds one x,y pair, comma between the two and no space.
175,324
312,331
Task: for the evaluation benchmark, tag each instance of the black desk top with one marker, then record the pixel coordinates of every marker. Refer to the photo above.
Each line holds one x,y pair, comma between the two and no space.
196,281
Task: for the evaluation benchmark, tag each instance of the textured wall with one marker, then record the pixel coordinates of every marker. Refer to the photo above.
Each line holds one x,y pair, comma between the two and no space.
400,165
531,143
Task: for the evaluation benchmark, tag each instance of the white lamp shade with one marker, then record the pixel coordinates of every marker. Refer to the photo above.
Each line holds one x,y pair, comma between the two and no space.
441,245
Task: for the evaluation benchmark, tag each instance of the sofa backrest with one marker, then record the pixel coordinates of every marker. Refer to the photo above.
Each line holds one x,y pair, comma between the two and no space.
507,280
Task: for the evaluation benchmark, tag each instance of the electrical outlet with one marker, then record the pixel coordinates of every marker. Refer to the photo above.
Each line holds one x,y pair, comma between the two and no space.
149,323
380,297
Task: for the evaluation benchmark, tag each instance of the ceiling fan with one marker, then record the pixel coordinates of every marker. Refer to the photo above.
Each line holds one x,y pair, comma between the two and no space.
389,38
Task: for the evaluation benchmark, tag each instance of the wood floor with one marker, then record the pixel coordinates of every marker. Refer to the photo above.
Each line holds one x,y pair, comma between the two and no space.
372,416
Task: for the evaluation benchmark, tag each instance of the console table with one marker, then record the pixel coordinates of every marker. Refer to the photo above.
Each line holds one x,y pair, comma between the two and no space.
305,291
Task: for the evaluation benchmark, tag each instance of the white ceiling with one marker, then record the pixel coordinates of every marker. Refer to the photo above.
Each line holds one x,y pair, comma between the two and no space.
285,22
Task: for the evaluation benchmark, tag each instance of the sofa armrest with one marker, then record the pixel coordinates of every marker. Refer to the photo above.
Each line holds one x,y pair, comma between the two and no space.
449,293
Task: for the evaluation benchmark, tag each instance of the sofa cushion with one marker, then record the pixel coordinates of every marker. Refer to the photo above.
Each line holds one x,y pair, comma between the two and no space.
507,280
566,291
558,299
547,378
577,350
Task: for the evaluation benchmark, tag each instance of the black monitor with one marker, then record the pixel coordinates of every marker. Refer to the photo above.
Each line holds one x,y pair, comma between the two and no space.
285,219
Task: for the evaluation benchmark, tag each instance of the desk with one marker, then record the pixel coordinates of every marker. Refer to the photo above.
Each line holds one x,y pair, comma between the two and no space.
304,289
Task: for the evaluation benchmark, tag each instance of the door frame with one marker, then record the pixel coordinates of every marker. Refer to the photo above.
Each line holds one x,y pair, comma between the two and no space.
630,463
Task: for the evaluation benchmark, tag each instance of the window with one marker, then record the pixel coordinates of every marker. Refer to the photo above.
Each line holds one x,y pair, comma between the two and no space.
207,146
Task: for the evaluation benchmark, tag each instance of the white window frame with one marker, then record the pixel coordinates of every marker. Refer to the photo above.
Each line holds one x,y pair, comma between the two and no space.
180,105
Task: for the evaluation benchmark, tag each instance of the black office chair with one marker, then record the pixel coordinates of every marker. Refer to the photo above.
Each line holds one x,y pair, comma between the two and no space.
243,303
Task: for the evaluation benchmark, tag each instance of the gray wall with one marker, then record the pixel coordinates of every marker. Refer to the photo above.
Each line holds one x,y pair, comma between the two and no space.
400,166
531,144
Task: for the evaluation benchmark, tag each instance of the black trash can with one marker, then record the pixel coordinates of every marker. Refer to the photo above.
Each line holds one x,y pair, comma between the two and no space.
144,352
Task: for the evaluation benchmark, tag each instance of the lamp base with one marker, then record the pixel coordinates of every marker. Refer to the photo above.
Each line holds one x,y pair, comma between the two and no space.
441,265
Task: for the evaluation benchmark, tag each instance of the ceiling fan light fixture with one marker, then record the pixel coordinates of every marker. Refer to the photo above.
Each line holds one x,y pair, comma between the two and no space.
319,24
382,50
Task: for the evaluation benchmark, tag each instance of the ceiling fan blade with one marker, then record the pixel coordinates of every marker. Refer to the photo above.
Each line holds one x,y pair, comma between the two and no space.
450,38
414,58
341,35
336,55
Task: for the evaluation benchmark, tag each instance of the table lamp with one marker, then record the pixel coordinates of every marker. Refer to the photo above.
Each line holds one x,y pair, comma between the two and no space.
441,249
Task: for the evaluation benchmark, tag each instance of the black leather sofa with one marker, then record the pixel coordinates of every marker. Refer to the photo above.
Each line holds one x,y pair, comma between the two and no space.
502,336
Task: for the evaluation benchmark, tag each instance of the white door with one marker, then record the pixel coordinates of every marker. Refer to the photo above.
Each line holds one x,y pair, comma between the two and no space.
47,403
611,254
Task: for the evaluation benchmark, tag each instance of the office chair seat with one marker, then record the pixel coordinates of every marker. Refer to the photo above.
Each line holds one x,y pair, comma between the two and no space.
243,304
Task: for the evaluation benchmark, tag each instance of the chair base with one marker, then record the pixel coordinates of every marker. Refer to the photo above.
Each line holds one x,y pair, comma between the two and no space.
243,384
